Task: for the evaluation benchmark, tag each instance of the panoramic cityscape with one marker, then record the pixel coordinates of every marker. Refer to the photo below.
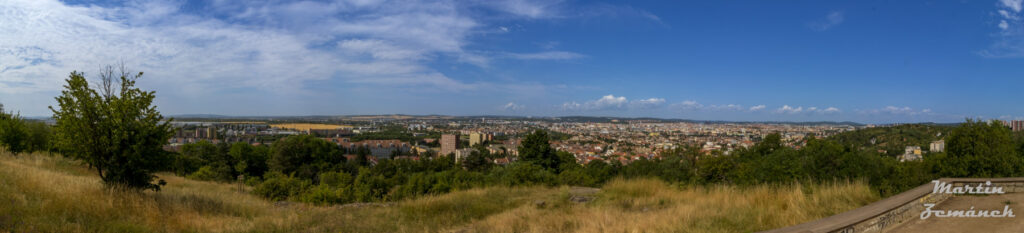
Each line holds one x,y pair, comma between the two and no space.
511,116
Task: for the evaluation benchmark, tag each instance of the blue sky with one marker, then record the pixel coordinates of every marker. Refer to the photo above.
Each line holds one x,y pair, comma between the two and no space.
865,61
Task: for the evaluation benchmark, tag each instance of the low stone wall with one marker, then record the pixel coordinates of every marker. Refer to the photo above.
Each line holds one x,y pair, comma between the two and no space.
893,211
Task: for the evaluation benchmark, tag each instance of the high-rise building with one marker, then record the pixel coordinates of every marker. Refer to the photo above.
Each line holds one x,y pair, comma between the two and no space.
448,142
1017,125
475,138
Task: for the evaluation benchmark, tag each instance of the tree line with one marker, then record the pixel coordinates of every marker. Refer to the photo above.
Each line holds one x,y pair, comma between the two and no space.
119,134
318,174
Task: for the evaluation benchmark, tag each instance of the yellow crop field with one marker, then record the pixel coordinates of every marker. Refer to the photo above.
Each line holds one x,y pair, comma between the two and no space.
307,126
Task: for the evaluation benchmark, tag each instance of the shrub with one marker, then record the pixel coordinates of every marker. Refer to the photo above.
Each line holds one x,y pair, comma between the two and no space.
279,187
524,173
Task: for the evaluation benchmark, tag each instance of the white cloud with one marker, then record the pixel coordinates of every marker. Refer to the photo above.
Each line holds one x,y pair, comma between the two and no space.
612,102
691,105
757,108
1009,42
727,107
606,102
1010,118
512,107
1014,5
688,105
549,55
647,103
45,39
830,110
527,8
786,109
898,111
571,106
264,47
789,110
831,20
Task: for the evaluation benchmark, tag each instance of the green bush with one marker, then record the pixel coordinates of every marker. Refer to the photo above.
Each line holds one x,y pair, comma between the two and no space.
326,195
279,187
525,173
213,173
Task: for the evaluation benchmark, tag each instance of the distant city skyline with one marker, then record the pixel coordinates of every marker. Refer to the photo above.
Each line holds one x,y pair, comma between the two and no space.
860,61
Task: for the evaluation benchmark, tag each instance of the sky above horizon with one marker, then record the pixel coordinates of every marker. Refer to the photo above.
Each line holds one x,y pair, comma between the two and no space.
862,61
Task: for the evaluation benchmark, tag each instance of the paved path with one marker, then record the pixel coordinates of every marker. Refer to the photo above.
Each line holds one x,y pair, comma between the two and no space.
963,202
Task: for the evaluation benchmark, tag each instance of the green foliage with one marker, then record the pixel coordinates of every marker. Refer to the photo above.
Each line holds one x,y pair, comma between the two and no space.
116,130
980,149
278,187
39,136
536,149
212,173
577,177
304,155
249,160
893,139
769,161
477,161
13,133
326,195
526,173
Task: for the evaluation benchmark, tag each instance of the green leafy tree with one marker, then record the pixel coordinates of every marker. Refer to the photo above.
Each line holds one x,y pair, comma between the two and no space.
39,134
13,133
250,160
477,161
980,149
361,156
116,130
536,149
207,159
304,156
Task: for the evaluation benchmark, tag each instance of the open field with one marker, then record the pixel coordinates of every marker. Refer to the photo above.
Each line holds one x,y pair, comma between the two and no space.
52,194
307,126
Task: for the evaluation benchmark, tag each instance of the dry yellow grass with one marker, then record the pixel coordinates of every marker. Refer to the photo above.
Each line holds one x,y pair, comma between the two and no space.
307,126
653,206
47,193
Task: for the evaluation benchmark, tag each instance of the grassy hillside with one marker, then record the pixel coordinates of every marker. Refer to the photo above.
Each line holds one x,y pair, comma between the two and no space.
45,193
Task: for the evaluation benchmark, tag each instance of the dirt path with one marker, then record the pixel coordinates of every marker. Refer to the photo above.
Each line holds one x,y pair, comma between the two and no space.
995,225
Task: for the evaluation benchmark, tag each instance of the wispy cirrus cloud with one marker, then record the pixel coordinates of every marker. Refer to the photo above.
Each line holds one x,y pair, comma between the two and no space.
687,105
267,48
512,107
1009,40
691,105
547,55
893,110
831,20
262,45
